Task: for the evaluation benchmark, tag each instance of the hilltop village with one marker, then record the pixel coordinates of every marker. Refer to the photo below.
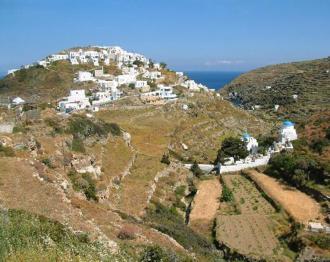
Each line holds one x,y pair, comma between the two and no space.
137,72
119,158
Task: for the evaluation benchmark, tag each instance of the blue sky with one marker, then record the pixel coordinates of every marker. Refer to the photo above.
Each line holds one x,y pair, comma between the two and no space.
226,35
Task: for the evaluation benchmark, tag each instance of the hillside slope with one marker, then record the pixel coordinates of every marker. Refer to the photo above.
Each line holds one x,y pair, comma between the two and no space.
300,89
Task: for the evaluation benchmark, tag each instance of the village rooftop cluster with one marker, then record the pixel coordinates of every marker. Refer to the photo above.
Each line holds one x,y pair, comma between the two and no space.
138,72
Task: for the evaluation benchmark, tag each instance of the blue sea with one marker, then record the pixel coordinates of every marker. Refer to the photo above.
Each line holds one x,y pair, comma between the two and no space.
212,79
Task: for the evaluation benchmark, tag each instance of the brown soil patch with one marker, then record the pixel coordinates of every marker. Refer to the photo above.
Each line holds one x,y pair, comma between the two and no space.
250,234
299,205
205,205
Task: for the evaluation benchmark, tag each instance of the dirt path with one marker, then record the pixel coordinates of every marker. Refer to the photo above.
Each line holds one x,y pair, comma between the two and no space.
205,205
299,205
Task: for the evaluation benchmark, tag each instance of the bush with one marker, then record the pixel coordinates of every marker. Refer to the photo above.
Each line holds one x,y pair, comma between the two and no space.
54,123
83,183
154,254
195,169
231,147
169,222
113,128
321,240
83,127
227,195
295,169
127,233
77,145
318,145
6,151
165,159
47,162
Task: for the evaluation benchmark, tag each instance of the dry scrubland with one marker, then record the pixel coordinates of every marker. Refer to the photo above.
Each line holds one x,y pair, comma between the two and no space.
128,172
252,225
299,205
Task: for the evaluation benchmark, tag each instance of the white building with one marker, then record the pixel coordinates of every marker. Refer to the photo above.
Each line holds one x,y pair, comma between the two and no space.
18,101
57,57
84,76
12,71
251,143
42,63
166,92
287,132
152,74
102,97
141,84
125,79
75,101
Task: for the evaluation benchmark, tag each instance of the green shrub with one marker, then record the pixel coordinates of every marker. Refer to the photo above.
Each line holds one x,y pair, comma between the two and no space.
227,194
231,147
180,190
295,169
113,128
321,240
165,159
169,222
20,129
47,162
22,232
157,254
83,183
84,127
78,145
6,151
195,169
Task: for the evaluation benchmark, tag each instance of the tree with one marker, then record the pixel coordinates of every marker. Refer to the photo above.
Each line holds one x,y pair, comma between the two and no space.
232,147
163,65
195,169
138,63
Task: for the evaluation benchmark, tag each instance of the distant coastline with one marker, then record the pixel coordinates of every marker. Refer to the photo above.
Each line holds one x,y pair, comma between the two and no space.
213,79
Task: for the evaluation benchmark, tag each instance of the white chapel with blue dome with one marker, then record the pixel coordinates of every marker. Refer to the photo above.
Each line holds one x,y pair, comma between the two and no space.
287,132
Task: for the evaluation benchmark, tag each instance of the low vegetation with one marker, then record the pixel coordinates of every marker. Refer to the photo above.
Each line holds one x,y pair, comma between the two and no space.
83,183
29,237
295,169
232,147
168,221
6,151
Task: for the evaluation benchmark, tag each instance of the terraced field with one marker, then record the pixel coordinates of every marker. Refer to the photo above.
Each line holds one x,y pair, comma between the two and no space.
250,229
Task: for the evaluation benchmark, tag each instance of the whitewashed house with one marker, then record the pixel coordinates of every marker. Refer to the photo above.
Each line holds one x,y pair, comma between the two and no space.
125,79
102,97
43,63
12,71
141,84
166,92
84,76
191,85
18,101
106,84
57,57
152,74
75,101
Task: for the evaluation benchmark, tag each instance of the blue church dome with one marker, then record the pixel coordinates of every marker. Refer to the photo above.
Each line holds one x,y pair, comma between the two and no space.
287,123
246,136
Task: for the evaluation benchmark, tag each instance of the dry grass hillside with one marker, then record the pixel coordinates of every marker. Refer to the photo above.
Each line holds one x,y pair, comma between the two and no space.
82,173
277,84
